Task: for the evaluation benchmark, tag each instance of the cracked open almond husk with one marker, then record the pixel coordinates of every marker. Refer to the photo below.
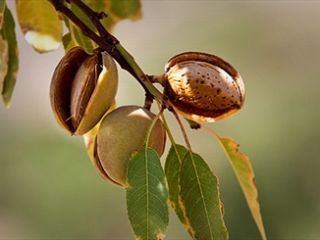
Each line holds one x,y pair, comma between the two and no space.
83,88
203,87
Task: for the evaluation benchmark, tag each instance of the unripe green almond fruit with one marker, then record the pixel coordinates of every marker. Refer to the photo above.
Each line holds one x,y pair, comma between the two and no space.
122,133
82,89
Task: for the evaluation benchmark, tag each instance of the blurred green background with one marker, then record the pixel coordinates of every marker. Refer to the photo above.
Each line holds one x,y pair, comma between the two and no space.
49,188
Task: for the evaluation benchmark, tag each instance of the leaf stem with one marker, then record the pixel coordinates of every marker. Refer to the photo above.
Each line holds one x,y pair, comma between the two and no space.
95,18
183,130
210,131
153,123
165,123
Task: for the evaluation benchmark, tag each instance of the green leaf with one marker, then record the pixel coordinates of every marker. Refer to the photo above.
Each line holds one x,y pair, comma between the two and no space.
4,59
125,9
116,10
78,38
147,196
120,10
40,24
172,169
68,42
2,7
9,42
102,6
244,172
200,200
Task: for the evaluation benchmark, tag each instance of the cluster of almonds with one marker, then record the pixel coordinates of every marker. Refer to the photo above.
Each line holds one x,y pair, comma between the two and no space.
200,86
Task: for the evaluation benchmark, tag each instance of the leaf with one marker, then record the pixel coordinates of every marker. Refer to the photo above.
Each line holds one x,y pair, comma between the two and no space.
40,24
2,7
4,59
68,42
243,169
172,169
124,9
117,10
78,38
8,37
147,196
200,199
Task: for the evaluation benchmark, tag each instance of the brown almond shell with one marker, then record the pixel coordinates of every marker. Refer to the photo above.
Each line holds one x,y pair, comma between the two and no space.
195,111
61,84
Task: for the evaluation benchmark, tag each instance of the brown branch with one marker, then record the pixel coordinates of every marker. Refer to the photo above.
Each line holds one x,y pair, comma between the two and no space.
107,42
148,101
59,6
95,17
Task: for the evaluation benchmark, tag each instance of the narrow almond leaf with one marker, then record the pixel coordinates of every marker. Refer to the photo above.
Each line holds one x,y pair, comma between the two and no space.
172,169
200,200
8,37
243,169
102,6
78,38
121,10
116,10
125,9
147,196
40,24
68,42
2,7
4,59
80,14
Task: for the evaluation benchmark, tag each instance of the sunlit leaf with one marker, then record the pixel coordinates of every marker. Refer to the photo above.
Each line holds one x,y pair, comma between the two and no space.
4,52
117,10
4,59
2,7
8,37
244,172
124,9
68,42
78,38
172,169
200,200
147,196
40,24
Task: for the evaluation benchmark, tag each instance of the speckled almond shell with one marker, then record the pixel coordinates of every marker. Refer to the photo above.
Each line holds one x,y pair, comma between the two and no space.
203,87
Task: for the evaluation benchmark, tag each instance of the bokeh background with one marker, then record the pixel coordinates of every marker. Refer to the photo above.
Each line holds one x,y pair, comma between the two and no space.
49,188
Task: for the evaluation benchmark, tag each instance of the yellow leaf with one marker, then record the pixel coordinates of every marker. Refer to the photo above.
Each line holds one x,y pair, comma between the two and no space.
40,24
4,58
243,169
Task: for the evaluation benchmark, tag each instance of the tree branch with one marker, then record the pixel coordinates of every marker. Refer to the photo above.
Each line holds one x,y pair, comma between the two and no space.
107,42
95,17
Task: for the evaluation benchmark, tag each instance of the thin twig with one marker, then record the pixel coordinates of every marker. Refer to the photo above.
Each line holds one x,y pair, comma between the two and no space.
153,123
95,18
183,130
148,100
211,132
